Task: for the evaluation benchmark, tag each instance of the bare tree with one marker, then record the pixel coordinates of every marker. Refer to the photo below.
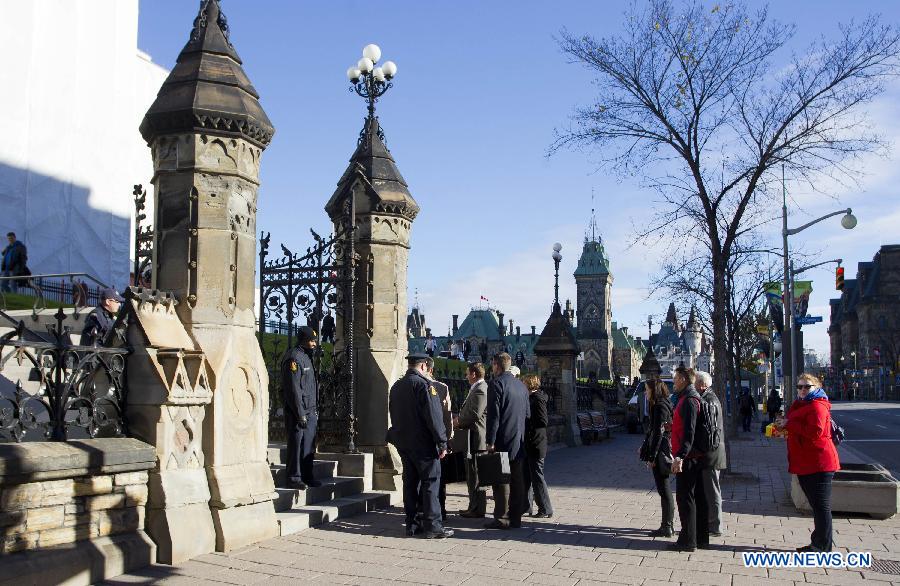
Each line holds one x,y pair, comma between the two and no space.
690,101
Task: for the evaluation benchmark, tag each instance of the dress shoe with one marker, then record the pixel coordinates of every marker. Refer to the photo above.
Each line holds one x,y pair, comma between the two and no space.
808,548
313,483
543,515
680,547
663,531
296,484
471,515
414,530
495,524
515,525
715,534
440,534
704,546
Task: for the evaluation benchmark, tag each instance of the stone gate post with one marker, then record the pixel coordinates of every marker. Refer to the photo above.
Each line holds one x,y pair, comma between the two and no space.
556,351
207,131
385,211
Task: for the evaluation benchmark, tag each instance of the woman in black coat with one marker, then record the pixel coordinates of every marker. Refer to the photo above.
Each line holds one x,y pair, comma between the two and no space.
536,449
657,451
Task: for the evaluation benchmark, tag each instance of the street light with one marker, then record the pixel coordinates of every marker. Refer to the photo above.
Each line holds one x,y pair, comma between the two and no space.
848,222
557,257
370,80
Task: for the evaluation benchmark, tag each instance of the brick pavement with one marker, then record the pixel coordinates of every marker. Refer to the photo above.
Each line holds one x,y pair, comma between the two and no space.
605,505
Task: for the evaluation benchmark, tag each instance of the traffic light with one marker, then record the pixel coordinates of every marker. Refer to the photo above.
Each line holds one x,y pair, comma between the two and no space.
839,279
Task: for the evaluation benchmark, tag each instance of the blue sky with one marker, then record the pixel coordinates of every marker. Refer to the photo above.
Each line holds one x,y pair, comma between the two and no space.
480,88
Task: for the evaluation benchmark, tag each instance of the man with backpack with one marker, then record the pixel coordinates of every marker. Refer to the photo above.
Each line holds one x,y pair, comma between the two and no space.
715,457
14,263
691,437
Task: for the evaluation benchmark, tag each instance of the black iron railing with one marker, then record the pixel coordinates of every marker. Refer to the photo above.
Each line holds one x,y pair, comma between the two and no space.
76,289
67,386
550,385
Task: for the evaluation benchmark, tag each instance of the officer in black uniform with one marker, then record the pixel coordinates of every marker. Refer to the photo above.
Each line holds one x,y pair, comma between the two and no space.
418,432
299,393
101,320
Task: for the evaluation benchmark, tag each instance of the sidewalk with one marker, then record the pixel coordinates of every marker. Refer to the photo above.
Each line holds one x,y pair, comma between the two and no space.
605,505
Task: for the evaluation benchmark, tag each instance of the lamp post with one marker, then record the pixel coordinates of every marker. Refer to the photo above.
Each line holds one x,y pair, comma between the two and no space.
557,257
370,80
848,222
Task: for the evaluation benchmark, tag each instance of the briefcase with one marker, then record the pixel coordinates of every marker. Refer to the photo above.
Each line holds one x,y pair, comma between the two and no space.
493,469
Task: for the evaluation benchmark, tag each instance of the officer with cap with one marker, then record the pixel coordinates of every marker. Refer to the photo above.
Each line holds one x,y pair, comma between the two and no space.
101,319
419,434
299,392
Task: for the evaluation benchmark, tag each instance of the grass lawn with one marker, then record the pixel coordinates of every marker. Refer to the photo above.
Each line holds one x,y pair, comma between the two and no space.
18,301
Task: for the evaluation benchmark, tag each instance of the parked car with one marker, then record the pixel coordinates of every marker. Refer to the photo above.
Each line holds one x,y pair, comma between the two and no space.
636,411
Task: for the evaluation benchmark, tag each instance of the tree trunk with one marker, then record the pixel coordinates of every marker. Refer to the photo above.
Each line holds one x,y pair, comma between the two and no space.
720,336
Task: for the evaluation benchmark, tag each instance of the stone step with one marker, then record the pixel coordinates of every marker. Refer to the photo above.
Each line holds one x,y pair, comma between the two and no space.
301,518
322,469
332,488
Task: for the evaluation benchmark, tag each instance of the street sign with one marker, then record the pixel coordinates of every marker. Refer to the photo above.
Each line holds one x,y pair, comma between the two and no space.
809,319
763,330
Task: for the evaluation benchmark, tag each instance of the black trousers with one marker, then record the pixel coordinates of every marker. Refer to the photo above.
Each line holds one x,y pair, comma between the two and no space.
301,446
477,496
664,488
693,510
536,486
509,499
421,484
817,488
442,491
745,421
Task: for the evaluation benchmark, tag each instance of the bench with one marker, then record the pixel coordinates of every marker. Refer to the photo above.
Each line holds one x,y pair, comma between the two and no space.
593,426
602,419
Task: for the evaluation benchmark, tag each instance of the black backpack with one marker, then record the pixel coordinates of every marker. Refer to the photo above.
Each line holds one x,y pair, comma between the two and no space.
706,434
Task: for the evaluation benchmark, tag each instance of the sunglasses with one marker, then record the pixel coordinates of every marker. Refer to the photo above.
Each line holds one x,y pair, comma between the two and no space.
804,387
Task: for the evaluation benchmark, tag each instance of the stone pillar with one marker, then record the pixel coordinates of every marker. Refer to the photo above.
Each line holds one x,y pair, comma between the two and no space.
168,393
385,211
207,131
556,351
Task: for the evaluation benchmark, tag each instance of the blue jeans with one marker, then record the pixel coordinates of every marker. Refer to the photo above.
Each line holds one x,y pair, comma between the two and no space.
9,285
817,488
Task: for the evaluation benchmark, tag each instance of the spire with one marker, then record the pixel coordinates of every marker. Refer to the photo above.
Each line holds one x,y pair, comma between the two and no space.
671,316
692,320
207,89
373,163
591,234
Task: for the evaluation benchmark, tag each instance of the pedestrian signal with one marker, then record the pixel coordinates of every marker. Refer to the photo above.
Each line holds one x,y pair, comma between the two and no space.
839,279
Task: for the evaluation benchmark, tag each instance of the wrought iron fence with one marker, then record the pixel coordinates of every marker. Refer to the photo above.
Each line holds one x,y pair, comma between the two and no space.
142,271
584,398
66,386
314,289
550,385
77,289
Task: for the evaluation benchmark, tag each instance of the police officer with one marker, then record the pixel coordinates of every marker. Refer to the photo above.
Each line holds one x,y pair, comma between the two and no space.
299,393
419,434
102,318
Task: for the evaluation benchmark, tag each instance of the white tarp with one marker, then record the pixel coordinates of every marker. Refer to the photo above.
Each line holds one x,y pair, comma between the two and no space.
73,90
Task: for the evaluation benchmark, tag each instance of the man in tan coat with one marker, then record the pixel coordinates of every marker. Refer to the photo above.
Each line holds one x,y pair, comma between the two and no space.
472,418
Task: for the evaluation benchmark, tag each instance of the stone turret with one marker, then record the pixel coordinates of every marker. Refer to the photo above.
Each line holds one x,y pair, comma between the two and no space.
593,282
207,131
556,351
693,337
385,211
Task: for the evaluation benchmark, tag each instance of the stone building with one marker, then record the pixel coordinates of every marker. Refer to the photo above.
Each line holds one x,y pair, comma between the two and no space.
593,329
864,330
627,353
676,344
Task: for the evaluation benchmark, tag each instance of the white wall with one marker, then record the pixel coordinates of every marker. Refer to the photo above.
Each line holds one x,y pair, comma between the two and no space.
73,90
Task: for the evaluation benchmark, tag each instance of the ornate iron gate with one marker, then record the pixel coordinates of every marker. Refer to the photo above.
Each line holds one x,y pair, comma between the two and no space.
299,290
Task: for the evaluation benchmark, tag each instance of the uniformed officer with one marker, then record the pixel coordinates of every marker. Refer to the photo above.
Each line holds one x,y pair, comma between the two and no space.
102,318
299,392
418,432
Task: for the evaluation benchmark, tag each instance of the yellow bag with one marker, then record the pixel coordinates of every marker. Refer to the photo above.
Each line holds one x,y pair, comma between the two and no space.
765,408
772,431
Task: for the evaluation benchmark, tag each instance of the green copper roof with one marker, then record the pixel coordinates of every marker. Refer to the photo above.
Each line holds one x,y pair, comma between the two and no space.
623,341
480,323
593,260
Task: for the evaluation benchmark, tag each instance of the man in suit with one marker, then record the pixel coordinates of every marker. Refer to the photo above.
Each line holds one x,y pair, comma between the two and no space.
418,432
472,418
536,449
447,410
507,410
299,392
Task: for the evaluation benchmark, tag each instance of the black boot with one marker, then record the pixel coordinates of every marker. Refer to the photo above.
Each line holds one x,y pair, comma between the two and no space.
665,530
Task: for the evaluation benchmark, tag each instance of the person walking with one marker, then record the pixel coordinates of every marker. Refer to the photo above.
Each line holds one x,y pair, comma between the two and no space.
507,410
688,463
715,458
100,321
773,405
472,417
417,431
447,410
536,449
746,407
328,327
812,455
430,344
14,263
656,451
299,393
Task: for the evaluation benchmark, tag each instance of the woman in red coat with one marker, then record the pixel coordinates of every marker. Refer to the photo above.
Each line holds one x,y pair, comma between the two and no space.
812,455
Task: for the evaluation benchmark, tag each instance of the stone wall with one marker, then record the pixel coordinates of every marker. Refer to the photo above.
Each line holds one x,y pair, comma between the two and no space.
81,499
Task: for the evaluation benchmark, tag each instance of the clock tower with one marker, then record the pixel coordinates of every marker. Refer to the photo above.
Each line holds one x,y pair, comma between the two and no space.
593,282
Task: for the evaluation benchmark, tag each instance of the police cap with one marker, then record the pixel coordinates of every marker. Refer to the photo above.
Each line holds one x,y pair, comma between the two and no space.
306,334
417,357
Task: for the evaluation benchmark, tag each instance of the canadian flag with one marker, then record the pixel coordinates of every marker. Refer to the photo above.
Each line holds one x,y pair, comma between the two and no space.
484,298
